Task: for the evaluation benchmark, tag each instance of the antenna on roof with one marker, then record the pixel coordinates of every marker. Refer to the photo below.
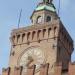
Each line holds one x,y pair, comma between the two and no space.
19,18
59,9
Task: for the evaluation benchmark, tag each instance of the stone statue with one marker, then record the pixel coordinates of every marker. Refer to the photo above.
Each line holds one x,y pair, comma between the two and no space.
47,1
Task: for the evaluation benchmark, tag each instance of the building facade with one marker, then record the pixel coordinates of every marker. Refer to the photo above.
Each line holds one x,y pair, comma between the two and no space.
44,48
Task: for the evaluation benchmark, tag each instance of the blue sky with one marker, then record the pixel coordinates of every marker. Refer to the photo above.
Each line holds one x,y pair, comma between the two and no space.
9,13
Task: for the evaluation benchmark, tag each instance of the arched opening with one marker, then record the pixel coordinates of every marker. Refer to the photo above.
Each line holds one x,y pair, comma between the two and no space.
23,36
49,32
55,31
39,33
18,38
13,39
39,19
28,36
44,32
33,34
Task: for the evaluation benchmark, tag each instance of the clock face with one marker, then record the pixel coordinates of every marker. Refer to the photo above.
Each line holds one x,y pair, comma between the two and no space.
30,57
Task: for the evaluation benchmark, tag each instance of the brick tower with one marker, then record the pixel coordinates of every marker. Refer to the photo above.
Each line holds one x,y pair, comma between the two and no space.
45,41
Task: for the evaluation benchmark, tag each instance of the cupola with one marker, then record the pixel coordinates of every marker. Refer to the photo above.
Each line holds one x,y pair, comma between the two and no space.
44,12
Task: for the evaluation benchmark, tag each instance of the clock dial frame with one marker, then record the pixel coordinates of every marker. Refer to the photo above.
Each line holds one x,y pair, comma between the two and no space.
31,56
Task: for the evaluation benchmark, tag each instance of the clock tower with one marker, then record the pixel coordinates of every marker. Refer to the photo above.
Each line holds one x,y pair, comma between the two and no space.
45,41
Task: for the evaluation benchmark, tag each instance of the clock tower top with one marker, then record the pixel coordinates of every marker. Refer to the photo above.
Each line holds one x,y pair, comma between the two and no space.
44,12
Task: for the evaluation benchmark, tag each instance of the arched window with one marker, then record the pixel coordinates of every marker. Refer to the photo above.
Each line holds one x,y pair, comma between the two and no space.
49,32
23,36
55,31
33,34
18,38
39,19
13,39
28,36
44,32
39,33
48,19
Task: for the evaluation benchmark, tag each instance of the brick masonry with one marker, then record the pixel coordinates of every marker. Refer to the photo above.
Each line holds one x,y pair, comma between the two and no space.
43,70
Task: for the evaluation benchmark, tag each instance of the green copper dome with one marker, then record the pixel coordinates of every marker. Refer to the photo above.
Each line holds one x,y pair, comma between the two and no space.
49,7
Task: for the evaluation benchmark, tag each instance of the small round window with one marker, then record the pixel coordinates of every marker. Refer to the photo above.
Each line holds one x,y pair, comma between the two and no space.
48,18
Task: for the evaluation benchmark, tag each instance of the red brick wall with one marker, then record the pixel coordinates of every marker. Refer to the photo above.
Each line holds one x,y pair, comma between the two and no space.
58,69
44,69
71,69
18,71
31,70
6,71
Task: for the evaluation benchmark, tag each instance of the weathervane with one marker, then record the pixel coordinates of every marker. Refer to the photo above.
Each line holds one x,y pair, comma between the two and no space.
47,1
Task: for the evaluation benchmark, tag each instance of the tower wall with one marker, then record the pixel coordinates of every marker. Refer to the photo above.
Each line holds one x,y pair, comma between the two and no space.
71,69
31,70
43,70
44,36
34,33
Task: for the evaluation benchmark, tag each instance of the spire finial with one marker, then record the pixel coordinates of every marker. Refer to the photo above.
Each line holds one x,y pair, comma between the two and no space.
47,1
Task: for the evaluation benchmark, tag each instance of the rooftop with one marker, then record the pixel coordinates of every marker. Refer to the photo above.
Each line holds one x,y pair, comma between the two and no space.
42,6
